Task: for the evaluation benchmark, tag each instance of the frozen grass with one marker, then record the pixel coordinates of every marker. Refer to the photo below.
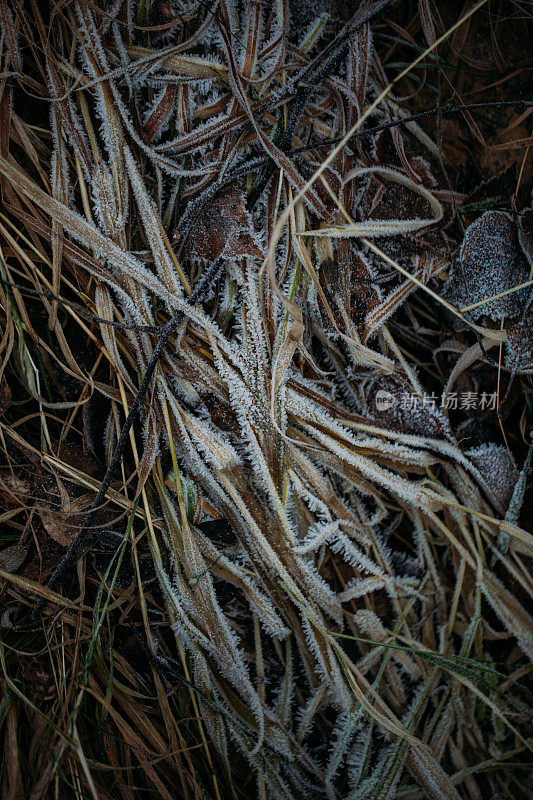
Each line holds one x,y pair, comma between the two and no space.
229,230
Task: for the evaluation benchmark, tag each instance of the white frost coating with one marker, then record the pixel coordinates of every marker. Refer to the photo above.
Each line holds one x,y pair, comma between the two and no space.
342,736
317,535
385,227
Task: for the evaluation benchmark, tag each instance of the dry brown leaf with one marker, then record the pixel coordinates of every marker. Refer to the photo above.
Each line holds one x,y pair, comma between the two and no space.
11,558
57,525
5,395
224,230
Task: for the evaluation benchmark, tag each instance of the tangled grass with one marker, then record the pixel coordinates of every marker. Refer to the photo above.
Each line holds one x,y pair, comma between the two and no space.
251,255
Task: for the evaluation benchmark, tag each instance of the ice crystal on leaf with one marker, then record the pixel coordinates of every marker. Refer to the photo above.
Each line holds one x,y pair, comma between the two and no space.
495,465
491,261
519,351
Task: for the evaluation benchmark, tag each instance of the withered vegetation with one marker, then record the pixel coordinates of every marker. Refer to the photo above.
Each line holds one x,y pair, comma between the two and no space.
265,399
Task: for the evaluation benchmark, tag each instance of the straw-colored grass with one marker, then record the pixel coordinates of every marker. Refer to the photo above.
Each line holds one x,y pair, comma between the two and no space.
229,230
